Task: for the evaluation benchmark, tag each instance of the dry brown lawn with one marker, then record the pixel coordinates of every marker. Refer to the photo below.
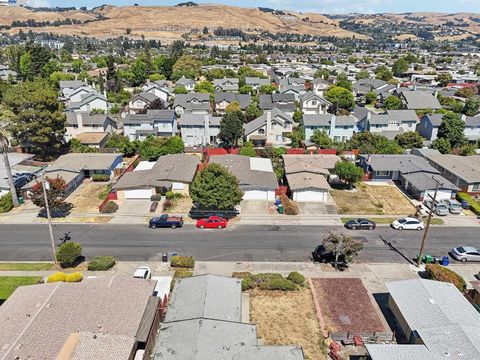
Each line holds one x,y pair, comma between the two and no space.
182,205
85,198
372,200
287,318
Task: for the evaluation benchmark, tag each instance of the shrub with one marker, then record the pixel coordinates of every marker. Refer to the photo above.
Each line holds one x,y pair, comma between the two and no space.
182,262
57,277
74,277
279,284
100,177
247,283
474,206
296,277
104,193
110,208
68,253
6,203
266,277
169,195
290,207
180,273
101,263
241,275
156,197
167,204
440,273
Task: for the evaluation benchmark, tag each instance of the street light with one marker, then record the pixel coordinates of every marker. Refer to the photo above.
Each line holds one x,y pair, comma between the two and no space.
46,186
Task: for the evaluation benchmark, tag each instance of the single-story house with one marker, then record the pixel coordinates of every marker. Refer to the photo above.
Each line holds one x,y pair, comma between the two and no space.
23,171
435,317
255,175
170,172
96,140
307,176
418,100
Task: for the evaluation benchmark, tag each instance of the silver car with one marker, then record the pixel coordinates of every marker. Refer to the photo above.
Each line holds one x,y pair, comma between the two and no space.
466,253
439,208
453,206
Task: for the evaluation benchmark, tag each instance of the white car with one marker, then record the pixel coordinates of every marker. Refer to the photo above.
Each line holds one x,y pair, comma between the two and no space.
143,272
408,223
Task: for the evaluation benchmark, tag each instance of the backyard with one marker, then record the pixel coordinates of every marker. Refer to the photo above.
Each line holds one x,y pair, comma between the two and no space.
372,200
287,318
8,284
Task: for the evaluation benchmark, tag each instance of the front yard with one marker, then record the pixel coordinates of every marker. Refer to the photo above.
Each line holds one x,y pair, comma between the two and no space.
86,199
372,200
8,284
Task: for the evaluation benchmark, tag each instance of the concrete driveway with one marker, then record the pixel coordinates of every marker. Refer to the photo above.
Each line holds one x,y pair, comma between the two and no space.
312,208
132,212
249,207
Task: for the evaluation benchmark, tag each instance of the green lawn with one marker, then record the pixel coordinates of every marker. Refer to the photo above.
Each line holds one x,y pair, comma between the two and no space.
25,266
8,284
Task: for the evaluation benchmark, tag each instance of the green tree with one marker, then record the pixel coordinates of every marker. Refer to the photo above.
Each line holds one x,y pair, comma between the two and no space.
410,140
369,143
55,190
164,65
400,67
248,150
77,66
472,106
296,137
371,97
180,90
468,150
40,56
39,122
444,79
342,245
297,115
186,66
76,146
252,112
442,145
154,147
68,253
234,107
322,74
231,128
392,103
26,67
383,73
348,172
267,89
205,87
343,82
341,98
321,139
139,73
362,75
452,128
246,89
122,144
215,188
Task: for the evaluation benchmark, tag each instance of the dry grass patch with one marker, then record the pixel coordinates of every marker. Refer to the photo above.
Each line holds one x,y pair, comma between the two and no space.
181,205
372,200
85,198
287,318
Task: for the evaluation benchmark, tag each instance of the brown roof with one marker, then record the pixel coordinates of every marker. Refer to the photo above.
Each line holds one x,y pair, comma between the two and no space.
317,164
305,180
91,137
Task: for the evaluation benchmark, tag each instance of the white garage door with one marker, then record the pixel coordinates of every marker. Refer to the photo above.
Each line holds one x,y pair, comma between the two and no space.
138,194
441,194
255,195
310,196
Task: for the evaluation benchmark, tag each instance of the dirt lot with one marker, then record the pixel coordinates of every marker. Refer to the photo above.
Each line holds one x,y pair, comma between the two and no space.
372,200
85,198
287,318
347,307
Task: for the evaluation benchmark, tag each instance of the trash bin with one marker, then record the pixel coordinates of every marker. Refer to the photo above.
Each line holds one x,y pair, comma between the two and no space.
21,200
445,261
164,257
280,209
428,259
465,205
277,201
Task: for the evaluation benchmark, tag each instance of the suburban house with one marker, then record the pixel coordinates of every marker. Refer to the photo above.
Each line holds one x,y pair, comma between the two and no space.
67,87
338,128
23,171
270,128
154,122
225,84
418,100
223,99
256,82
160,89
172,172
95,140
296,90
78,123
435,317
204,321
77,94
256,176
362,87
320,85
140,102
98,318
188,84
199,130
89,102
283,102
428,126
292,81
413,173
389,124
472,127
192,103
312,103
307,176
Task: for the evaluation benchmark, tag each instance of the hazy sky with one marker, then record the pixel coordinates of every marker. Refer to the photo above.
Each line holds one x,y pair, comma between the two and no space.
322,6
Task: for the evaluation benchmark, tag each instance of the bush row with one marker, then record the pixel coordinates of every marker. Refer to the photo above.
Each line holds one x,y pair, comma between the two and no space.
100,177
271,281
62,277
182,262
440,273
6,203
474,206
101,263
110,208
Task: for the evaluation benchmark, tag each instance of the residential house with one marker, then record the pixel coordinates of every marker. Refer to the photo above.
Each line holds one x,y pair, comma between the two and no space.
172,172
67,87
362,87
255,175
472,128
139,103
98,318
271,128
307,176
283,102
319,86
226,84
153,122
418,100
77,94
188,84
204,321
199,130
192,103
435,317
223,99
292,81
256,82
389,124
23,171
90,102
6,74
160,89
96,140
338,128
296,90
78,123
312,103
428,126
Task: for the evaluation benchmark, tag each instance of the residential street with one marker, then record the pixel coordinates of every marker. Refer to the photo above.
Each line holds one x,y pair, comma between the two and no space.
236,243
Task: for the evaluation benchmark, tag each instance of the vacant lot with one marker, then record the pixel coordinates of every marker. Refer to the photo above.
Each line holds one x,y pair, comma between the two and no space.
347,306
85,198
8,284
287,318
372,200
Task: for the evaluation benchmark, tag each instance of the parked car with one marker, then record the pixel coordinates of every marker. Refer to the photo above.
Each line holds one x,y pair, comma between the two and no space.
453,206
408,223
322,255
364,224
143,272
466,253
213,222
439,208
165,221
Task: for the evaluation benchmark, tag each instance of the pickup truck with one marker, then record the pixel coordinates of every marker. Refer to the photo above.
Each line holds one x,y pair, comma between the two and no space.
165,221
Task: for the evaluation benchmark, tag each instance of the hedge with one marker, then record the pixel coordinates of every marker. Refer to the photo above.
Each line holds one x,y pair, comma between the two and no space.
100,177
182,262
101,263
440,273
110,208
56,277
74,277
68,253
156,197
279,284
6,203
474,206
268,281
296,277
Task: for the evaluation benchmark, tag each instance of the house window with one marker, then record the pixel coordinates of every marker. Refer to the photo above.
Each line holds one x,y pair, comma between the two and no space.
314,102
272,127
286,125
383,173
261,131
476,187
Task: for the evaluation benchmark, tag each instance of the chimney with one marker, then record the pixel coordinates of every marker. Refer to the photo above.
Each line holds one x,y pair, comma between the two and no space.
332,125
80,122
105,93
269,124
206,124
436,94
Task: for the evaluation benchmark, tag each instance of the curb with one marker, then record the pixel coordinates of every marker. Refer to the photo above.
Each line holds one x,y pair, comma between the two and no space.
323,327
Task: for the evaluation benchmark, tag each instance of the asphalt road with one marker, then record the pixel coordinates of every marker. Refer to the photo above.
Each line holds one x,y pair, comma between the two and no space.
236,243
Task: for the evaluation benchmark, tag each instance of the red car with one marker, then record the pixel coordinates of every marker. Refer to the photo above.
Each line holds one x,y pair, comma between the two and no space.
213,222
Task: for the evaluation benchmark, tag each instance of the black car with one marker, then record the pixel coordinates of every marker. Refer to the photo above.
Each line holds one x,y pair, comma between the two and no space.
321,255
364,224
165,221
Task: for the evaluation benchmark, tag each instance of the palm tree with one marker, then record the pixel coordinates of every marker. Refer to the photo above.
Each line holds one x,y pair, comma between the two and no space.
4,149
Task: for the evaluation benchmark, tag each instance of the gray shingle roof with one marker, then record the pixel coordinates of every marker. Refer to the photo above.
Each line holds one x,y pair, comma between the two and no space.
88,161
415,100
88,119
183,81
284,102
402,115
199,120
277,114
435,119
256,81
466,168
227,84
309,95
193,101
423,181
403,163
72,84
151,116
317,119
243,99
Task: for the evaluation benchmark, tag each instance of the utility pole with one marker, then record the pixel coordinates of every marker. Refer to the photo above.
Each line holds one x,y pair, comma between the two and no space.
50,229
427,227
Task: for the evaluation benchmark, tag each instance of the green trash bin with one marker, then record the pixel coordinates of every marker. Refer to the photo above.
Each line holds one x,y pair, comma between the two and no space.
428,259
280,209
21,200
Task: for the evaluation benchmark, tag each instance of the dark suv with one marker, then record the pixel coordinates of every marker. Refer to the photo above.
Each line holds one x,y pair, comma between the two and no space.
321,255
